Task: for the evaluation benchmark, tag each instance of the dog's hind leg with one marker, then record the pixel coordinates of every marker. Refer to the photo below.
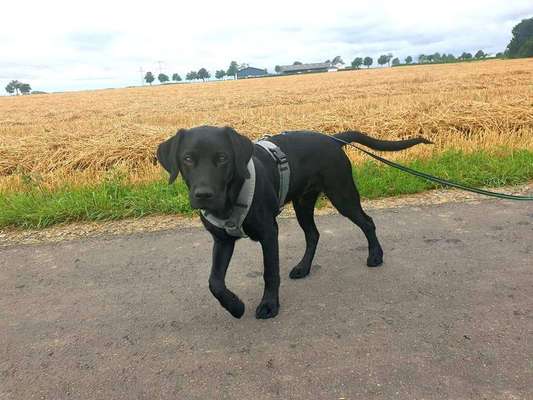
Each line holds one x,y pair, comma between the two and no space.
344,196
304,207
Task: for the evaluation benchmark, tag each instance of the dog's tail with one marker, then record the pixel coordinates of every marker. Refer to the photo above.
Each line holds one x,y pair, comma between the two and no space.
377,144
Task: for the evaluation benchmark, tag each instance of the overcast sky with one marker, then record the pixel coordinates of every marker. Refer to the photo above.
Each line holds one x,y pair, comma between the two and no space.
73,45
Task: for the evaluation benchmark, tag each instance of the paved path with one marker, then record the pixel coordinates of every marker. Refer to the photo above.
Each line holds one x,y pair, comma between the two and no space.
448,316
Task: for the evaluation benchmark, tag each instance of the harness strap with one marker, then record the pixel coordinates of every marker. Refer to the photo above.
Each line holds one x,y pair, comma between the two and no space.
233,224
283,168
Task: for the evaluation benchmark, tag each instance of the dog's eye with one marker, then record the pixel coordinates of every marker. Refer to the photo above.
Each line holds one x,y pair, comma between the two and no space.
188,159
222,158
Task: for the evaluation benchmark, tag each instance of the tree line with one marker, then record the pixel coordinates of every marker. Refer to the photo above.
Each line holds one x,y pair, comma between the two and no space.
357,62
422,59
202,74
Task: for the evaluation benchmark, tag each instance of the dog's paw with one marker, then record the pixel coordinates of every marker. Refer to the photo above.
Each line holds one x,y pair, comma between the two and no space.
375,258
267,309
237,308
299,272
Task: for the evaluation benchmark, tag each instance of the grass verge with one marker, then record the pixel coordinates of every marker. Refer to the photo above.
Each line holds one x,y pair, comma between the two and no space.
114,198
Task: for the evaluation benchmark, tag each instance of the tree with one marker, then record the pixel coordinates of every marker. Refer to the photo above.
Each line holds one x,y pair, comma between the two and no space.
10,88
526,50
220,74
233,69
436,57
18,87
389,58
499,55
368,61
408,60
450,58
277,68
467,56
480,54
328,61
25,88
15,86
383,59
522,33
357,62
203,74
396,61
337,60
162,78
192,76
176,77
422,58
297,63
149,78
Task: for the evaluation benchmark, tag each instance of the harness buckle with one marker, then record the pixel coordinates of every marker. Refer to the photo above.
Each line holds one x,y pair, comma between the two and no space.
280,158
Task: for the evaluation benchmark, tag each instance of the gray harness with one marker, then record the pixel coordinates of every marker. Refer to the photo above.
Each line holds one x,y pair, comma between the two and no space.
233,224
283,168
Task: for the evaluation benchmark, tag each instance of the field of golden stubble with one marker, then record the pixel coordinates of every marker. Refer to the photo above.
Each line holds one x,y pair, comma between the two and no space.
78,137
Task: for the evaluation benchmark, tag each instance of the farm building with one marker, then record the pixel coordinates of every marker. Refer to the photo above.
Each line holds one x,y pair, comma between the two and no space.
305,68
251,72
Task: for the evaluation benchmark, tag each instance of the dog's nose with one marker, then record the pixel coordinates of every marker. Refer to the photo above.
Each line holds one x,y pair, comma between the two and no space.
203,193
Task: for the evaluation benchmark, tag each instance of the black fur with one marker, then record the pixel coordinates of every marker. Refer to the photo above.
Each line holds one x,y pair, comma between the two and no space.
213,163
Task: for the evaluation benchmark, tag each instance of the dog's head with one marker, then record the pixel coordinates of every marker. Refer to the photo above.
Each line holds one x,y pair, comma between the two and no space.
213,162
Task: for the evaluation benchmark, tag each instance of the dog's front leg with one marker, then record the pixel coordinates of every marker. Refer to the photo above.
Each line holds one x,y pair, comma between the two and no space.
269,306
222,252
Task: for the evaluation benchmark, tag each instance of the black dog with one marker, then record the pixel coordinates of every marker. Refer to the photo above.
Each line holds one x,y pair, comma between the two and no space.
213,162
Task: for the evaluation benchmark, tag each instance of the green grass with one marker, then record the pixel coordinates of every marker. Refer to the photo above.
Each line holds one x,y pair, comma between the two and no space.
478,169
112,200
115,199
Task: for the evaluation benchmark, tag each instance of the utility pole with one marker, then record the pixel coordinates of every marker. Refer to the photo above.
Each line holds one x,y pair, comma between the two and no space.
160,63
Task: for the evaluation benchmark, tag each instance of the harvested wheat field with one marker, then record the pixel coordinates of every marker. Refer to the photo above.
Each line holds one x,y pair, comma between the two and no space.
79,137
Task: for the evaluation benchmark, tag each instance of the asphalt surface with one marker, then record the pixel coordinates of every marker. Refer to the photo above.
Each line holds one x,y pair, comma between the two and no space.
448,316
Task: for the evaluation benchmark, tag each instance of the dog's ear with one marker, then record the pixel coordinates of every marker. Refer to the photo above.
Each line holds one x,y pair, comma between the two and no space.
167,155
242,151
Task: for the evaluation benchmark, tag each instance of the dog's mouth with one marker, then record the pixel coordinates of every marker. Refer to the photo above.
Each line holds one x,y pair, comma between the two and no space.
212,205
